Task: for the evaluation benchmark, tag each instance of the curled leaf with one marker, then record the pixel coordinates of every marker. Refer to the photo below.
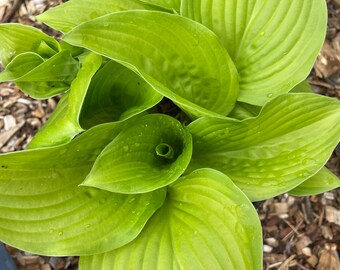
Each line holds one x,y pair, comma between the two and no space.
26,39
116,94
42,79
63,124
151,153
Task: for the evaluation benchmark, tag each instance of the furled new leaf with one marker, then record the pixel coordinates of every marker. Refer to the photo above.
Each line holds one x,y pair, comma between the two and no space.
322,181
273,43
63,124
152,152
116,94
68,15
25,39
47,79
179,58
270,154
206,222
43,210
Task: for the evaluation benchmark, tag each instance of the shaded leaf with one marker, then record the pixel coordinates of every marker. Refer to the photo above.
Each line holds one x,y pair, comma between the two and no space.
43,210
244,110
205,223
116,94
179,58
152,152
167,4
322,181
273,43
274,152
63,124
303,87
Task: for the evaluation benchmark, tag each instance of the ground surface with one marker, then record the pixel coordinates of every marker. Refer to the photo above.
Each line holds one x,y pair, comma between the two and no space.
299,233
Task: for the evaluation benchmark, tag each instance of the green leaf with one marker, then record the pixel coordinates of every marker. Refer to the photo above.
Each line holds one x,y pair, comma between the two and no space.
205,223
273,43
43,210
244,110
179,58
167,4
116,94
152,152
270,154
20,65
303,87
68,15
322,181
26,39
63,124
49,78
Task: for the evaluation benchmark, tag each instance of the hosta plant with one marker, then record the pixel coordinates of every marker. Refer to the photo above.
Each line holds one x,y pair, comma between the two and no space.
175,116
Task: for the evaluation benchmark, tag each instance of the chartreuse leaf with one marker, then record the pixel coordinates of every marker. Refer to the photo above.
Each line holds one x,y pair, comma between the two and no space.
228,19
63,124
303,87
206,222
179,58
20,65
68,15
167,4
244,110
152,152
274,152
322,181
26,39
49,78
265,38
43,210
116,94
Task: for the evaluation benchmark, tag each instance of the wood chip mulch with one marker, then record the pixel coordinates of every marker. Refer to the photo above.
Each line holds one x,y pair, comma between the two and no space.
298,233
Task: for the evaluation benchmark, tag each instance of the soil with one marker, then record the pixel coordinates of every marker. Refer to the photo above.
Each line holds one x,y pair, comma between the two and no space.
298,233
